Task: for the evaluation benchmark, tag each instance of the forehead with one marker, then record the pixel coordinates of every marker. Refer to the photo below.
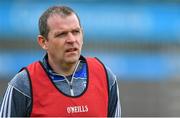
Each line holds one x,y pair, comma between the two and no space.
57,21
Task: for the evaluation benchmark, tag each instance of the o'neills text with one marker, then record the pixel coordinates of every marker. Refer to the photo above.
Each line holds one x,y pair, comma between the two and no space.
77,109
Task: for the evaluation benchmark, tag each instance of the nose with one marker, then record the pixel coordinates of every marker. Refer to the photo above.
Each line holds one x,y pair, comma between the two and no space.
70,38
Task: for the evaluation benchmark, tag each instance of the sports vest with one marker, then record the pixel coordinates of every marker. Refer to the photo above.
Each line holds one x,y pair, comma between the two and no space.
47,100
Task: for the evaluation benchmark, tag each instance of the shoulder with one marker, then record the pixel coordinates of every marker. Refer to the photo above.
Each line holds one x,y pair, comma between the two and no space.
112,81
21,83
111,77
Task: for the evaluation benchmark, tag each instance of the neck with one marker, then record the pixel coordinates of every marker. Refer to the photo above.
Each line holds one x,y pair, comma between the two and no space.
63,68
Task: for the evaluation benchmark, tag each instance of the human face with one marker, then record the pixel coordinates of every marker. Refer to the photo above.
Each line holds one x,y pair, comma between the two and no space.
65,39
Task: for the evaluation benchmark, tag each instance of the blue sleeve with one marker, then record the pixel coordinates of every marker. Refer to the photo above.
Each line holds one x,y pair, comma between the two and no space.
114,108
16,101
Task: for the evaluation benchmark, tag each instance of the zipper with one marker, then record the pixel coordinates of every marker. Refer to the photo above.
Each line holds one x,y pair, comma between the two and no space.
70,82
70,85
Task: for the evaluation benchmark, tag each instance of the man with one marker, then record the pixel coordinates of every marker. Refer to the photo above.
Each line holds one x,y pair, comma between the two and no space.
64,83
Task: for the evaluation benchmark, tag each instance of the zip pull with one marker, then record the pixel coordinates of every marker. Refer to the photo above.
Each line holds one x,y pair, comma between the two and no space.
70,85
71,90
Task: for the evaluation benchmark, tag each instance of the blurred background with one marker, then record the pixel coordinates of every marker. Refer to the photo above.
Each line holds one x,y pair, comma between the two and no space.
138,39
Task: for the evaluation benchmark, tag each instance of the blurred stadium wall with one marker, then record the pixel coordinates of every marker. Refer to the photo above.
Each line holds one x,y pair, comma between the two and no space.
138,39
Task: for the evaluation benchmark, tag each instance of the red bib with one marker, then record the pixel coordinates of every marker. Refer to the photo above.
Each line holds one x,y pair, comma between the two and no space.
47,100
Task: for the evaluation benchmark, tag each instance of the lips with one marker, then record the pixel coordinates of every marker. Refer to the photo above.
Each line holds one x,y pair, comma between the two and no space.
71,49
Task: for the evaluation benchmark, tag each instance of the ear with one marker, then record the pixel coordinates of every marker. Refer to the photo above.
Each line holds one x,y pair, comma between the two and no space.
42,41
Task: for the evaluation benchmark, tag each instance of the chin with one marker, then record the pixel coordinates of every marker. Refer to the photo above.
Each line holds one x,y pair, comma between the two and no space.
72,60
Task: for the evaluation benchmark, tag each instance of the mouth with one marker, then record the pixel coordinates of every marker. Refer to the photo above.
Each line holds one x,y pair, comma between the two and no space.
71,50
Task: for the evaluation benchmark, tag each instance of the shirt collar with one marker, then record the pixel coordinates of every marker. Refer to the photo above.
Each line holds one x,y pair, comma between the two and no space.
81,69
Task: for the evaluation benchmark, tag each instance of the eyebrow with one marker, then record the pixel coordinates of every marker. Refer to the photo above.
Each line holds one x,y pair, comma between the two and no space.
61,31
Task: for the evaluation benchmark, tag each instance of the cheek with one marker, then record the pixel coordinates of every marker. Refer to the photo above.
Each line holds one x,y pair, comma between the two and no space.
81,41
56,47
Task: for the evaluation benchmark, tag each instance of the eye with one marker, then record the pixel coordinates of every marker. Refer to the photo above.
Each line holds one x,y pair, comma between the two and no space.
75,32
62,34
